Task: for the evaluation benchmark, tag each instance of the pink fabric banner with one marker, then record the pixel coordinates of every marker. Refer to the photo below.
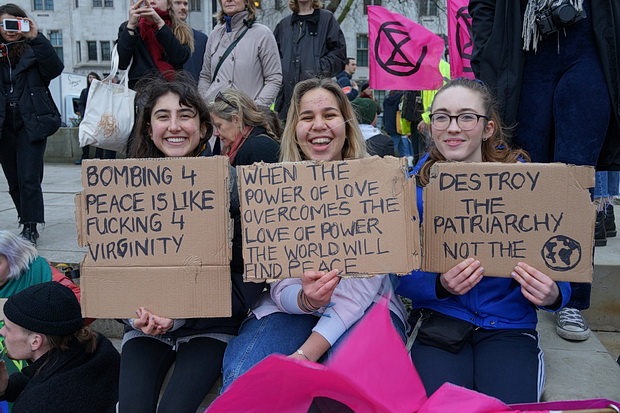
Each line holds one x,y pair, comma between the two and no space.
402,54
370,372
460,42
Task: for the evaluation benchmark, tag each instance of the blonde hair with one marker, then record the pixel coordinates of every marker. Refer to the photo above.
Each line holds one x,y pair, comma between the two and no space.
249,7
354,144
494,149
248,114
294,5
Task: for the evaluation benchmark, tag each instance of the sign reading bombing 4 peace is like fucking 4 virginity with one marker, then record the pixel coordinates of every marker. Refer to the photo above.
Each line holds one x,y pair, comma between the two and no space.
358,216
158,235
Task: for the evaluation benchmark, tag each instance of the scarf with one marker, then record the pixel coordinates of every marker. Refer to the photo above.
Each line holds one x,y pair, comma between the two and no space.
234,149
228,22
38,271
530,33
147,30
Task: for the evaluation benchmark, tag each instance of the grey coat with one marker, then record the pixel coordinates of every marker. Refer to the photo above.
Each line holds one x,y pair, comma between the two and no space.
253,67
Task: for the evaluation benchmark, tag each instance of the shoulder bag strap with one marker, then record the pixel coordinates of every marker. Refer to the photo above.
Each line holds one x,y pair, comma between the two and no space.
227,52
114,61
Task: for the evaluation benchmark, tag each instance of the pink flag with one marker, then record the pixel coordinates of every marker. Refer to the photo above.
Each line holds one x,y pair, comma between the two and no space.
370,372
460,42
403,55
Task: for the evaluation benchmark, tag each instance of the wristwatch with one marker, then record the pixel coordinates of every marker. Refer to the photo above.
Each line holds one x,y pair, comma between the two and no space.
301,353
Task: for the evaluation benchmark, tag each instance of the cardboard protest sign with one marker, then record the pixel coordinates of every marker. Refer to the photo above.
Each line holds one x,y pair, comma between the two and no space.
358,216
502,214
158,233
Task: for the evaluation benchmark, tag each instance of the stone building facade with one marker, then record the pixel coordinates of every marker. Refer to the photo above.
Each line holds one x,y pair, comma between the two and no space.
83,31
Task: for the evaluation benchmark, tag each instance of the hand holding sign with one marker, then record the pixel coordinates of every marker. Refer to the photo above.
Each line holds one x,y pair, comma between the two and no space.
537,287
462,277
319,286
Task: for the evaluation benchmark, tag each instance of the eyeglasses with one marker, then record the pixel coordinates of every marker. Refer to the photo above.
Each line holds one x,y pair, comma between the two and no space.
466,121
221,97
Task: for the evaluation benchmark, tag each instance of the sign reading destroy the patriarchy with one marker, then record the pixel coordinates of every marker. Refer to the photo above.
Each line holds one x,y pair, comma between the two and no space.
158,233
501,214
357,216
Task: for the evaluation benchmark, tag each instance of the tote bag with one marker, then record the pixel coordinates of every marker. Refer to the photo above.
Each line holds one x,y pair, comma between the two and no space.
109,111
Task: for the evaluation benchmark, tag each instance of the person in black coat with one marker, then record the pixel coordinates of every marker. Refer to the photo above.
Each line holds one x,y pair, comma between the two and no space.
311,44
28,115
499,59
155,38
72,368
559,86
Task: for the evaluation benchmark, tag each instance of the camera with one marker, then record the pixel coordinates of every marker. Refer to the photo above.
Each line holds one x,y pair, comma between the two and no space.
15,25
555,17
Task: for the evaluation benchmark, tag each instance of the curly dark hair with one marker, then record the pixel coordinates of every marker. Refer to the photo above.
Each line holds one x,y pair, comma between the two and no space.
149,90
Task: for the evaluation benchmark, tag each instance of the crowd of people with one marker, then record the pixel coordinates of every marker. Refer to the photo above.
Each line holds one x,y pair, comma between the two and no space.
254,95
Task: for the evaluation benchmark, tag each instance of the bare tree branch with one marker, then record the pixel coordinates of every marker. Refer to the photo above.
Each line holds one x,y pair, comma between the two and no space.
345,11
333,5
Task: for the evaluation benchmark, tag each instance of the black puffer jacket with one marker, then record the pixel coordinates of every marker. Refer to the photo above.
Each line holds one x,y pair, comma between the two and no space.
37,66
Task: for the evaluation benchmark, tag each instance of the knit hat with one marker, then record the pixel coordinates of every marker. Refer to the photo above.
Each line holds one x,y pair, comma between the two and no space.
47,308
365,110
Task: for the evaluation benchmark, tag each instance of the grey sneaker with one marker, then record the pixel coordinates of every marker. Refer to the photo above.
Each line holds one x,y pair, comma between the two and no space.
571,325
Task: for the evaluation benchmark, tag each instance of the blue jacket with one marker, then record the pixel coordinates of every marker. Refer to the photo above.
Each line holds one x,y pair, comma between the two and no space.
494,303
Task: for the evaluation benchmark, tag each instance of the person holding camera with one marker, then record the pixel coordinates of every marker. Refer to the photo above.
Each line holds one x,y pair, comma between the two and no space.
554,66
28,114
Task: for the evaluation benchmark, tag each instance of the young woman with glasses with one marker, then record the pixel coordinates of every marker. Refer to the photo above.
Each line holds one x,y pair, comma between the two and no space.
485,327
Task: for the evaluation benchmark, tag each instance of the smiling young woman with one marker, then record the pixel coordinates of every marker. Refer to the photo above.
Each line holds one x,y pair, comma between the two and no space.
175,122
475,328
306,317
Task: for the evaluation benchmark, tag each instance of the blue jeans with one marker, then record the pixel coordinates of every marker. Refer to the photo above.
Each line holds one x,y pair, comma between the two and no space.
402,145
607,184
277,333
564,108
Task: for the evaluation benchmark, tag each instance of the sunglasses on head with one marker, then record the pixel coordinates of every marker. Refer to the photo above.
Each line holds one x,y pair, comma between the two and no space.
221,97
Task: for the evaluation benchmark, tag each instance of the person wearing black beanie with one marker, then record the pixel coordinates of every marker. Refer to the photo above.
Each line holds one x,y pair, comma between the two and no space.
44,325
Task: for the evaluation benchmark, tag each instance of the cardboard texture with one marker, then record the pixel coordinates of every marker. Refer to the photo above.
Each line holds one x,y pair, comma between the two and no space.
158,233
356,216
502,214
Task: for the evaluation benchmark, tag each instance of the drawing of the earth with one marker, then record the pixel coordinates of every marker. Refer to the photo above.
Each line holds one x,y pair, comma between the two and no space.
561,253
